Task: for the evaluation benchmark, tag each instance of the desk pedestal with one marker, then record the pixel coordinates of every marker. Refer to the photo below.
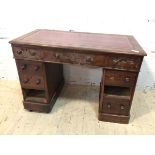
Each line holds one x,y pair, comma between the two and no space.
41,84
116,94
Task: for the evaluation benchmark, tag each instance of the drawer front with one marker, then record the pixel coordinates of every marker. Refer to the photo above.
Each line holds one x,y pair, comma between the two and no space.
31,82
30,67
116,106
31,74
112,61
126,62
61,56
120,78
27,53
130,63
122,62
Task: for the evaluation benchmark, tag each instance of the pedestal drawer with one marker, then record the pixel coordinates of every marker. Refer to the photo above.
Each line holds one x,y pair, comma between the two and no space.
30,67
115,105
32,82
120,78
31,74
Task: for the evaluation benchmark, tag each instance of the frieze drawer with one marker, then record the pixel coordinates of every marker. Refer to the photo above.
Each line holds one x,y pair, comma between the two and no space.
27,53
120,62
59,56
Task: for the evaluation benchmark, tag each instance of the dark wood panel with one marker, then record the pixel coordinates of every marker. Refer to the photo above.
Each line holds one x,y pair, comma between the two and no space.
117,105
120,78
114,118
118,62
30,67
22,52
31,74
54,77
32,82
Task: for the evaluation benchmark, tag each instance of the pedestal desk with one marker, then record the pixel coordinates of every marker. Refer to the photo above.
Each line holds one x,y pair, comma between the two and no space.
40,56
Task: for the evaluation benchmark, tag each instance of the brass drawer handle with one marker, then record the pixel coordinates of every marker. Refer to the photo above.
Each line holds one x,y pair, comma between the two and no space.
19,52
38,81
108,105
24,66
26,81
122,107
36,68
127,79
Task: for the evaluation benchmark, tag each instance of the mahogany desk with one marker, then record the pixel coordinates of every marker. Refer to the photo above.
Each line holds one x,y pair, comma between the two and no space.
40,56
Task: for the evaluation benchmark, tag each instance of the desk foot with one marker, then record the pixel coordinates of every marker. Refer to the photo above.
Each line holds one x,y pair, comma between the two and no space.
114,118
42,107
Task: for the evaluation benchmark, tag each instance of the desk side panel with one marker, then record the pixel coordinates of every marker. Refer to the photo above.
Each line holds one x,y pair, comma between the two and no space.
54,78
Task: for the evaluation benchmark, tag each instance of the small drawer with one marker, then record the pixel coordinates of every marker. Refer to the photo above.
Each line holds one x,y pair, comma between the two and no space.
121,62
119,78
32,82
30,67
118,106
124,62
27,53
31,74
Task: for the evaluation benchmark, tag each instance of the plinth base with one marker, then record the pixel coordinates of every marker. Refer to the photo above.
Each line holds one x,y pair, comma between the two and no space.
114,118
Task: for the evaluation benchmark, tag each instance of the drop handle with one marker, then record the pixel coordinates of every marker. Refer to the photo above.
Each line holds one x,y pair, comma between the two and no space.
26,81
108,105
122,107
36,68
23,67
38,81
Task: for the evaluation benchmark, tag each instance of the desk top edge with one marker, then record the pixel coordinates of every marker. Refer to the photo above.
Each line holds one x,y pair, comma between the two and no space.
132,40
